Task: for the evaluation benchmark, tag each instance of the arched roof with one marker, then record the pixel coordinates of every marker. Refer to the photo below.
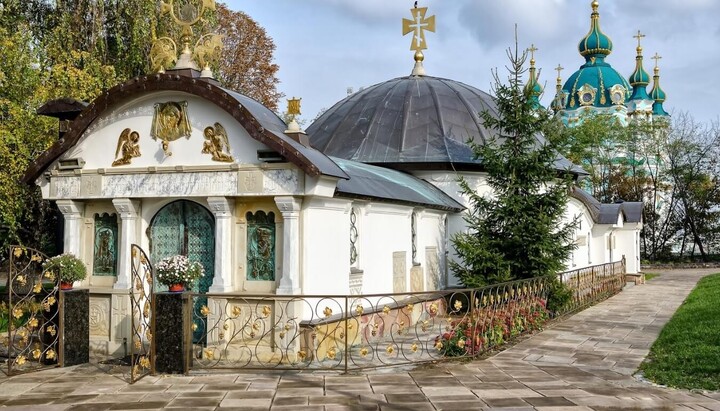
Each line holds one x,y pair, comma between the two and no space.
260,122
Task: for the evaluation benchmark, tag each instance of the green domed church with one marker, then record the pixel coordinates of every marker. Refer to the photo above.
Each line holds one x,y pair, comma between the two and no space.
596,87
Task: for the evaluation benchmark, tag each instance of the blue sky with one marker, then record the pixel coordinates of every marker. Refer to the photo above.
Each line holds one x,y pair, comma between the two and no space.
326,46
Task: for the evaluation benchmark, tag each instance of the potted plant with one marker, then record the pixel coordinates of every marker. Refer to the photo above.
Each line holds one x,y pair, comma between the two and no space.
177,272
68,267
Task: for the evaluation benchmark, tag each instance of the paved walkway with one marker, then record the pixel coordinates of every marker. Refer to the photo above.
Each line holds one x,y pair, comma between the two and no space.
583,363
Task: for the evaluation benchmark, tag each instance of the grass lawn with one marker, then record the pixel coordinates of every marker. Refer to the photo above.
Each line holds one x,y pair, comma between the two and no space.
650,276
687,353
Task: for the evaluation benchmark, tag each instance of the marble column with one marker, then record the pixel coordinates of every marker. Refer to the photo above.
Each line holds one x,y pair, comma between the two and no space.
222,208
290,278
72,213
128,211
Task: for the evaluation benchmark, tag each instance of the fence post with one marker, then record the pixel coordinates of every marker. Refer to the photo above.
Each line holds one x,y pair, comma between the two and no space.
346,315
169,333
75,327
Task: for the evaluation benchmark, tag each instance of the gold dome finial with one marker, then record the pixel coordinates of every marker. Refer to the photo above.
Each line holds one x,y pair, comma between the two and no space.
595,5
418,25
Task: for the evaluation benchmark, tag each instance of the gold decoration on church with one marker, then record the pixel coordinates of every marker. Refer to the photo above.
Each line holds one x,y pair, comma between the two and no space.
418,25
170,122
217,143
127,148
586,95
207,49
163,54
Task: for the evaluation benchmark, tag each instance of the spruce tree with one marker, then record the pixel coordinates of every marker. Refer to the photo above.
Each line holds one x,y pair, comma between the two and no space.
519,231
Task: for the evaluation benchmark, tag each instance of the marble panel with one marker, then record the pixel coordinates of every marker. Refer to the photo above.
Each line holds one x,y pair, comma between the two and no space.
432,262
417,279
170,185
399,272
65,187
282,182
100,317
250,182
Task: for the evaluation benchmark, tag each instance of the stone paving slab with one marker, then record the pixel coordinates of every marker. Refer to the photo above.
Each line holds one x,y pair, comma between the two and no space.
583,363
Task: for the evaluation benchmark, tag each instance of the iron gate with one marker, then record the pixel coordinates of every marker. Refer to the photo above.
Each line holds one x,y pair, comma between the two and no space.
142,349
30,314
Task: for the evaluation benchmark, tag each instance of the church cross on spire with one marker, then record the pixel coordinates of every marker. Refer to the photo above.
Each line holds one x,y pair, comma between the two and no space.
559,70
657,58
532,51
418,25
639,36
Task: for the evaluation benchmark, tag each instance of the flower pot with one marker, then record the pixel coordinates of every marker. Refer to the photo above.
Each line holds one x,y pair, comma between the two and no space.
66,285
177,288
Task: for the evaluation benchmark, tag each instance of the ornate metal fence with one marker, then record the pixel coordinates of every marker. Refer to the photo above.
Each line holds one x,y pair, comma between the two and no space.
30,314
358,332
592,284
142,351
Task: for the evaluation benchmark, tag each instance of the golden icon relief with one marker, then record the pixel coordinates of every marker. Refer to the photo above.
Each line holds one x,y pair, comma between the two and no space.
128,147
217,143
170,122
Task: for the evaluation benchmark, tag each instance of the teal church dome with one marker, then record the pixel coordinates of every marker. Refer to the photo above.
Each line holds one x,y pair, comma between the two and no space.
658,94
596,83
596,43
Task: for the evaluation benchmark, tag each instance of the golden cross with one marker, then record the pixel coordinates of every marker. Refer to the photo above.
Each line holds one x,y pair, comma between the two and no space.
559,69
639,37
532,51
294,106
417,26
657,58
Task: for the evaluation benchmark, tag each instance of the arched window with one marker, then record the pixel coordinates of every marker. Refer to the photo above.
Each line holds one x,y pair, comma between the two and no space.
105,245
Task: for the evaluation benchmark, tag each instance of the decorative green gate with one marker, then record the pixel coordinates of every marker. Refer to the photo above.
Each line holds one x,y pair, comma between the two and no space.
186,228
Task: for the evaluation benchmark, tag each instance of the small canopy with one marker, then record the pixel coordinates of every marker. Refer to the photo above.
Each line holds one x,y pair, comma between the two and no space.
608,213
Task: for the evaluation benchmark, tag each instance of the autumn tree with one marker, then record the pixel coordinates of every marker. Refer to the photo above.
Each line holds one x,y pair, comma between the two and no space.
247,64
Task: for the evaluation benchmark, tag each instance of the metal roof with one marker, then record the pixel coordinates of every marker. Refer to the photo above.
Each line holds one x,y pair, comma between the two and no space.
415,120
608,213
379,183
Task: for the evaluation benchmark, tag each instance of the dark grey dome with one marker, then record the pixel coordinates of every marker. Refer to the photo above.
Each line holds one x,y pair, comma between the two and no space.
416,119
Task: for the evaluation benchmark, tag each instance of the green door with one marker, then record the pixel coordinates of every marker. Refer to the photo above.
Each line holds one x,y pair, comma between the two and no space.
186,228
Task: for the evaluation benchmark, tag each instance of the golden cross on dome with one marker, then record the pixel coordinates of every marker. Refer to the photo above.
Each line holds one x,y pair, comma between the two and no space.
657,58
559,70
418,25
532,51
639,37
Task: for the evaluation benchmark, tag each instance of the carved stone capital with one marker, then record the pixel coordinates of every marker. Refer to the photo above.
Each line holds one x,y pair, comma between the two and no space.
70,208
127,208
221,206
288,206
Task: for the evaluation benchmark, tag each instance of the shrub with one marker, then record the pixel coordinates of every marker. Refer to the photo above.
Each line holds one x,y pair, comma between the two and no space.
66,266
490,327
178,269
559,296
